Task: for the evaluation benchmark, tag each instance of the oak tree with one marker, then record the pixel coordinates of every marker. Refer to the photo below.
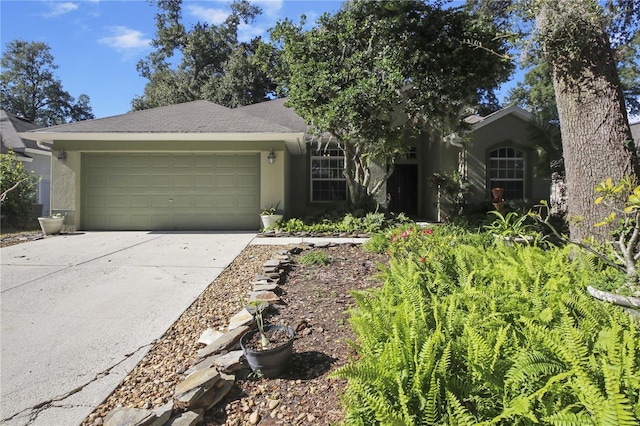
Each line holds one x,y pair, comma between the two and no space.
375,72
205,62
30,89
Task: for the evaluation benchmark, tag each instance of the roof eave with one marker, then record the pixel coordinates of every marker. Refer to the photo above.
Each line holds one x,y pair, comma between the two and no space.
294,141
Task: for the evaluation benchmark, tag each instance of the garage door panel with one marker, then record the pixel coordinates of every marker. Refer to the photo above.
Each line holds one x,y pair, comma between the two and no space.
152,191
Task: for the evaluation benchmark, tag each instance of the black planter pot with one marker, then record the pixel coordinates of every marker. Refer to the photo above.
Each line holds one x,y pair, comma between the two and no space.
270,362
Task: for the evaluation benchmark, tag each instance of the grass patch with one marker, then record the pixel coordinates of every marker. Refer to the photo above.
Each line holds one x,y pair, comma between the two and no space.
315,257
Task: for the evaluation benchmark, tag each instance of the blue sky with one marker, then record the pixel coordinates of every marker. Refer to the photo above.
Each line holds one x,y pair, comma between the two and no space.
96,43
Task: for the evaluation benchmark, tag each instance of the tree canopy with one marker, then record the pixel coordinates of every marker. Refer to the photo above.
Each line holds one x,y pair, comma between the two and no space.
376,71
204,62
30,89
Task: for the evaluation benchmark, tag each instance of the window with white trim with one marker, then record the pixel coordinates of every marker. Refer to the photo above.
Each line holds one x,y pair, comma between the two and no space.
327,181
507,170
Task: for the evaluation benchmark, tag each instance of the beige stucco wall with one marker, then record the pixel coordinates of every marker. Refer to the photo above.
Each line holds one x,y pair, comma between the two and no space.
272,181
65,174
506,131
65,188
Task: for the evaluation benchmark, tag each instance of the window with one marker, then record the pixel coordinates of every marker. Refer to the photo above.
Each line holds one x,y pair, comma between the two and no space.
327,180
506,168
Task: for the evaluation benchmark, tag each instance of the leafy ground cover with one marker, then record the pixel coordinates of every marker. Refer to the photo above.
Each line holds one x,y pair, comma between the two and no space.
469,330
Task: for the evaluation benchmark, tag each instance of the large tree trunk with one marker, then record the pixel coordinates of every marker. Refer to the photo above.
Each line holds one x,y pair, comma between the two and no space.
596,138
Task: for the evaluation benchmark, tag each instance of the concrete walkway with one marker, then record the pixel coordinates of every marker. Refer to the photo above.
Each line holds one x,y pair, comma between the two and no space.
78,312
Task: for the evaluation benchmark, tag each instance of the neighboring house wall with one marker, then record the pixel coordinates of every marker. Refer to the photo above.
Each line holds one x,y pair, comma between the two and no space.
35,159
41,167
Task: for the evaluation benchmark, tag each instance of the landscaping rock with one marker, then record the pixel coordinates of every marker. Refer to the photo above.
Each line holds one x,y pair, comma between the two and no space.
243,317
265,287
265,296
186,400
209,336
125,416
271,263
216,393
206,377
225,362
188,418
224,342
267,278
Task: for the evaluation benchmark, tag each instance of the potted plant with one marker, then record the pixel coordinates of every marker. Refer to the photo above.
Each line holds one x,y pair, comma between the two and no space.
269,216
267,349
51,225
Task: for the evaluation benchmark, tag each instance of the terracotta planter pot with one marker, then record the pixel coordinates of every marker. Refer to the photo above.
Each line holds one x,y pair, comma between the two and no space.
270,362
51,225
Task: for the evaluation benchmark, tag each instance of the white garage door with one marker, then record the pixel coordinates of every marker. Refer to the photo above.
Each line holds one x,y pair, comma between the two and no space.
165,191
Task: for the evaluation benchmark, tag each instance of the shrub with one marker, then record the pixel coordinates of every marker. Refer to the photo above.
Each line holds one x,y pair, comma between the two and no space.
18,191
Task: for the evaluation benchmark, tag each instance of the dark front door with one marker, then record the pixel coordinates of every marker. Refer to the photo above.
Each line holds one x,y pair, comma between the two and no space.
402,187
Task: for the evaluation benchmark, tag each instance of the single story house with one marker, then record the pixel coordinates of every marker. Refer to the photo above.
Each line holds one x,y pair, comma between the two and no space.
199,165
35,158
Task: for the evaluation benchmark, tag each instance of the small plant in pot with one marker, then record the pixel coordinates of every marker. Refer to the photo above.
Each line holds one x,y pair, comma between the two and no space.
270,217
269,348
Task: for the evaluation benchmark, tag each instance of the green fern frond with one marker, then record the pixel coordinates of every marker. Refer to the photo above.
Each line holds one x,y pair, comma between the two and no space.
570,419
458,414
618,409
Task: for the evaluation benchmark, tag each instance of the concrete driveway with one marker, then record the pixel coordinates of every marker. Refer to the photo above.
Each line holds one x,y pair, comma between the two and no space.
78,312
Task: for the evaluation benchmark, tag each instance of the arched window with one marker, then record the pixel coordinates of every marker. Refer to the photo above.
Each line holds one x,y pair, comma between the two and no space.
506,170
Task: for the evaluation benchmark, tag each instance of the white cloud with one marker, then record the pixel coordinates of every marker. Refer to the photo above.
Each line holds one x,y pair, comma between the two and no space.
270,8
60,8
126,40
248,32
209,15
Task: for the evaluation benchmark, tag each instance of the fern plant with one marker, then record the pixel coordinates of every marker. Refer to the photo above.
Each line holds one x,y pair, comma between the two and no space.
459,334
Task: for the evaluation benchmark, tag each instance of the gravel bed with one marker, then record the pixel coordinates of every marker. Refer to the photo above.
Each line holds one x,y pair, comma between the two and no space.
316,302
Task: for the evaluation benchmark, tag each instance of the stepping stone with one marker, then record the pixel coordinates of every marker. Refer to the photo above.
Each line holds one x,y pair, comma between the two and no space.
271,263
323,244
265,287
188,418
202,378
209,336
264,296
224,342
261,277
283,253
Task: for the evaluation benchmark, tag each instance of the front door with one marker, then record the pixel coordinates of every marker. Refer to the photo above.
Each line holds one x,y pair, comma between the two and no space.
402,188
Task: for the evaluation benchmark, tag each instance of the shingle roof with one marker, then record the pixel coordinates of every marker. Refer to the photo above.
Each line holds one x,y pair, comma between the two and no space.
275,111
191,117
10,125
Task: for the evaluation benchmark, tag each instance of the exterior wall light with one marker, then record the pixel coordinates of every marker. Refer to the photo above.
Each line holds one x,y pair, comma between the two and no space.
62,155
271,157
